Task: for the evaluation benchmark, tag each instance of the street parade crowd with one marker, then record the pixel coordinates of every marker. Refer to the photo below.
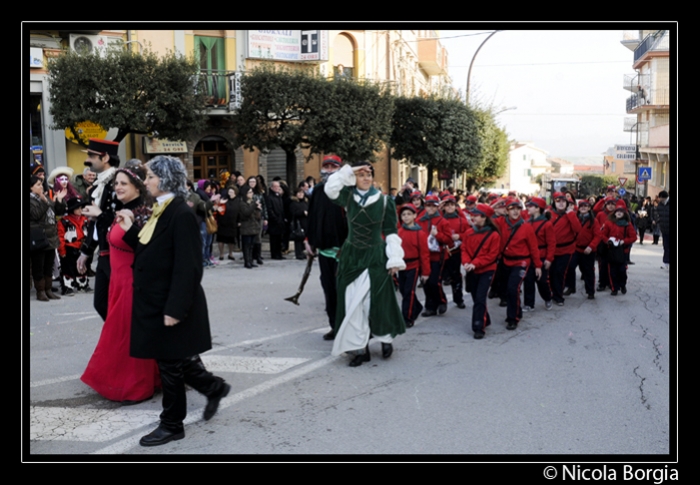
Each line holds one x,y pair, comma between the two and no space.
141,221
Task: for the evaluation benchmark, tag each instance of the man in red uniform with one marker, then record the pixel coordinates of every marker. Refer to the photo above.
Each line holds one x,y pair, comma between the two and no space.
566,229
584,257
546,243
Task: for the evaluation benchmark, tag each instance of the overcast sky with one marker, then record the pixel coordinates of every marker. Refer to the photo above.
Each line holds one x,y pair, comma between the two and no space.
565,86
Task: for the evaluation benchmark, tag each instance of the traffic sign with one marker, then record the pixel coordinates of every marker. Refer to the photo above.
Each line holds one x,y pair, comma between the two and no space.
622,180
621,192
644,173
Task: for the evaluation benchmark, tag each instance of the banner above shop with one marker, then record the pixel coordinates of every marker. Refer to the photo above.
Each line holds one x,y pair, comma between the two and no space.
152,146
288,45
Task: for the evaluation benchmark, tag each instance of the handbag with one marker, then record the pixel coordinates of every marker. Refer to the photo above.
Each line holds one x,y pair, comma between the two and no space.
297,231
38,239
616,254
212,226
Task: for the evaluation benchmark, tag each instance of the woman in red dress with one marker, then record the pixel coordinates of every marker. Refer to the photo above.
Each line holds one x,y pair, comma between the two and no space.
111,371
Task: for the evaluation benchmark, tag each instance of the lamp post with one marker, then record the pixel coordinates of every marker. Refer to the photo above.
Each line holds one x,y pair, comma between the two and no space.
469,74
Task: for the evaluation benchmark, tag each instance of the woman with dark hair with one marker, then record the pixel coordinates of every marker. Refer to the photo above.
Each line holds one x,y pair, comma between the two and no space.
42,221
644,218
257,185
227,221
299,208
111,371
368,260
170,320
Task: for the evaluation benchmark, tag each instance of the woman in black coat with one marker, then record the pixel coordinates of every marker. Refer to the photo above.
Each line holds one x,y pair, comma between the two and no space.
299,209
170,321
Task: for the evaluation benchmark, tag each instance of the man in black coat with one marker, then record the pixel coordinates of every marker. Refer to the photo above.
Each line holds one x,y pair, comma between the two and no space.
103,160
326,233
170,320
663,219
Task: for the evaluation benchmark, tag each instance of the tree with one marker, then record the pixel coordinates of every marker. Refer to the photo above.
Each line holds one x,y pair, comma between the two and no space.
135,93
276,108
439,134
493,156
352,119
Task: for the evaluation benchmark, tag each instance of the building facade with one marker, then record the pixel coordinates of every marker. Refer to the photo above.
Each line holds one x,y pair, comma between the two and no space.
649,102
525,163
409,62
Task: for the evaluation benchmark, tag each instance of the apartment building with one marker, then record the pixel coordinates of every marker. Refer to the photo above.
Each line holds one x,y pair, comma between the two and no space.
650,102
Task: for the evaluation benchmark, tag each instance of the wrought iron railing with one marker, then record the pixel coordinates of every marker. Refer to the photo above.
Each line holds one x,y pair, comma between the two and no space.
657,41
653,97
215,84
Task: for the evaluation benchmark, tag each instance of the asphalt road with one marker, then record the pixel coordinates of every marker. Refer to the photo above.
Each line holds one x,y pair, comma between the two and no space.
589,378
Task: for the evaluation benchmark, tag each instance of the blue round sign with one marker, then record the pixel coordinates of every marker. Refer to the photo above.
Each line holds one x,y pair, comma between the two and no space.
622,192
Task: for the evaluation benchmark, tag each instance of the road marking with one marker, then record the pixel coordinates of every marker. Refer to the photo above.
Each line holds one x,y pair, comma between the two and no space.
53,381
93,425
250,365
194,416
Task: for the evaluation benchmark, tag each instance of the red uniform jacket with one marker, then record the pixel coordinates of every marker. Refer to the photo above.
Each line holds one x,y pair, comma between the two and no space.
454,224
426,222
566,229
485,260
71,232
522,247
546,241
589,237
624,233
414,242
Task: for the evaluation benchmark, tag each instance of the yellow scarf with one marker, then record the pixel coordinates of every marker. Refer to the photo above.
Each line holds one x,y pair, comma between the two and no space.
147,230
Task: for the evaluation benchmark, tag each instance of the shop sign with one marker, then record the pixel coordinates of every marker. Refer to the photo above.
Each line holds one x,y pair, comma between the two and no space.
86,130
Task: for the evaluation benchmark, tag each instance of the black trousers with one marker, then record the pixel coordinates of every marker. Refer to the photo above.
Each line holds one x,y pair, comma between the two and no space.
174,374
102,275
329,268
276,246
42,263
557,276
586,263
453,267
434,296
410,306
479,289
513,277
542,285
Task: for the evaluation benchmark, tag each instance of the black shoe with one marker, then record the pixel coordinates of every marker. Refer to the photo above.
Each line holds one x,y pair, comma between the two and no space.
503,302
568,291
492,295
623,289
329,336
213,402
259,261
409,324
87,289
360,358
67,292
442,308
613,292
428,313
461,305
160,436
601,288
591,296
630,262
387,350
511,326
478,335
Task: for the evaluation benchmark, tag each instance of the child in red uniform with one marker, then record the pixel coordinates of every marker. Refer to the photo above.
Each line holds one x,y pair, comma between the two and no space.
72,230
584,257
618,231
435,301
480,249
546,243
450,234
414,242
566,229
518,251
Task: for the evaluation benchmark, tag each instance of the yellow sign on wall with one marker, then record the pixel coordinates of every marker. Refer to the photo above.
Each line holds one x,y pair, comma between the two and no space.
86,130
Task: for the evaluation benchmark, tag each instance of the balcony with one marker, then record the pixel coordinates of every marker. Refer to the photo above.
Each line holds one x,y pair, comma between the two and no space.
432,57
648,99
634,82
215,84
652,43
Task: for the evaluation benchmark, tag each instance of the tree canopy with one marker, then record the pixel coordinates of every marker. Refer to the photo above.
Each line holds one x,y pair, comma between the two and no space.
133,92
493,156
438,133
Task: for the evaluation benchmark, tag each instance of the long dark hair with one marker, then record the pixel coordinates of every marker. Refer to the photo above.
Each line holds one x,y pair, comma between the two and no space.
136,176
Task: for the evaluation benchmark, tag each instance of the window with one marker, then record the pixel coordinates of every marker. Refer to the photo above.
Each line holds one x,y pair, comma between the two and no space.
211,156
343,57
211,55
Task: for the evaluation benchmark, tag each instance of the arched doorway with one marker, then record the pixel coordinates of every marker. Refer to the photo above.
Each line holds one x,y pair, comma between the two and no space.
211,156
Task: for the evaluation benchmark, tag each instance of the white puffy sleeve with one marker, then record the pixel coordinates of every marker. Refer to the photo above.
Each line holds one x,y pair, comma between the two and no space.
345,177
394,252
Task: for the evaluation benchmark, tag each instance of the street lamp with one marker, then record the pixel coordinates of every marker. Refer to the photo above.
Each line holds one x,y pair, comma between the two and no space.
469,74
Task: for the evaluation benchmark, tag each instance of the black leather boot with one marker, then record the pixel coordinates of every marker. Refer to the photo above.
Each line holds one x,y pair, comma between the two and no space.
360,358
